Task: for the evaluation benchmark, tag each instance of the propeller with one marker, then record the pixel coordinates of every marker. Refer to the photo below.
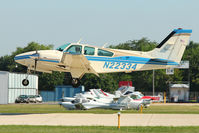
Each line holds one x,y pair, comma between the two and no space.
35,66
36,58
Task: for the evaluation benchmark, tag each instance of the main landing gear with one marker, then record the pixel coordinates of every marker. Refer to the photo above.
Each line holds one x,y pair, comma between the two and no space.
75,82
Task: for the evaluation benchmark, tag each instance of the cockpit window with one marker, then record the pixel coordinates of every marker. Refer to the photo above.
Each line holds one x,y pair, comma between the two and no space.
61,48
134,97
89,50
74,49
104,53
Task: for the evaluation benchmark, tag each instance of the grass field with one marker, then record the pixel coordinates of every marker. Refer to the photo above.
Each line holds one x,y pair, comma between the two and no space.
94,129
48,108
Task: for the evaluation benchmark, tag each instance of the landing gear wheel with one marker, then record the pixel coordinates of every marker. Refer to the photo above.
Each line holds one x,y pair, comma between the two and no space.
75,82
25,82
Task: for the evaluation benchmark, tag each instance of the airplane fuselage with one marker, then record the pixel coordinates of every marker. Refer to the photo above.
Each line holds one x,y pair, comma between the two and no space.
50,60
79,59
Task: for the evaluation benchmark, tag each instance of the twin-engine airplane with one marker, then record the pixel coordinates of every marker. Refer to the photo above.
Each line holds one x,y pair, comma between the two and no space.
79,59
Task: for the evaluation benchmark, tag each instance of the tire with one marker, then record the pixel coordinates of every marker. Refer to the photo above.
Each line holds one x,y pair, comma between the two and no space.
28,101
75,82
25,82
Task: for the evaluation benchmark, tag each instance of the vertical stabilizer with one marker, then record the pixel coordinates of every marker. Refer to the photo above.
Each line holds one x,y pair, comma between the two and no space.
173,46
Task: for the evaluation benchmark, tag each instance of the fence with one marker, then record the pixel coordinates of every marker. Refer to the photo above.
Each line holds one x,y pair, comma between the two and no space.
193,96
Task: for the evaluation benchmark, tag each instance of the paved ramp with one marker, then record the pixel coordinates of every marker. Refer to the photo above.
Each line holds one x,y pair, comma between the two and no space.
101,119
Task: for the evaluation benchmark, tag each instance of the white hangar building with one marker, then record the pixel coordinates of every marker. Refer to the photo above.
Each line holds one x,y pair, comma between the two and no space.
11,86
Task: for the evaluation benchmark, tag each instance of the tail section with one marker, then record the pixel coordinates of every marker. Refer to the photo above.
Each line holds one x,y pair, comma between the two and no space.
173,46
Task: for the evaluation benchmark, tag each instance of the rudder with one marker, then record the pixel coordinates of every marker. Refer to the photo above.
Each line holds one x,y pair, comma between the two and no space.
173,46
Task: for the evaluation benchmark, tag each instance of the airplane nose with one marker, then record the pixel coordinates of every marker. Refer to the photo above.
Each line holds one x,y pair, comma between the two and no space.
27,55
18,58
21,58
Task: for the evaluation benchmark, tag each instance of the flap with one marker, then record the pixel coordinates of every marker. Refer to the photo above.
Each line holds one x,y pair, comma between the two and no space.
78,64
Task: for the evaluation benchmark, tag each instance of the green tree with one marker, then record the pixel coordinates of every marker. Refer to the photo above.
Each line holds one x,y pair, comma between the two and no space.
191,54
49,81
139,45
106,82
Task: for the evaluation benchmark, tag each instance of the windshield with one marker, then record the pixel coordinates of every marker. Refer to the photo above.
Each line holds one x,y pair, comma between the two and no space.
37,95
74,49
62,47
137,96
134,97
23,96
31,96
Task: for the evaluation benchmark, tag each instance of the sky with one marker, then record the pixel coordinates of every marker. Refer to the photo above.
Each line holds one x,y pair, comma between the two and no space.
96,22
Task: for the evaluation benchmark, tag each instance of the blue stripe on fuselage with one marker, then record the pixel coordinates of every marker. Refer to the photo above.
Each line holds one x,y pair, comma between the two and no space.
126,59
22,57
29,57
132,59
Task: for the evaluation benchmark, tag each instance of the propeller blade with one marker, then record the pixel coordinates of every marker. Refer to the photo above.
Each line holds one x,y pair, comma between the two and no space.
35,66
36,59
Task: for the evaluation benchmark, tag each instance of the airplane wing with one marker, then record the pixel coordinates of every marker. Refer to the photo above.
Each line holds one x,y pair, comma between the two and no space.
77,64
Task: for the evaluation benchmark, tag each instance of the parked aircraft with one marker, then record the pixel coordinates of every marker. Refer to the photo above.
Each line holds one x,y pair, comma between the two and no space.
97,94
79,59
96,98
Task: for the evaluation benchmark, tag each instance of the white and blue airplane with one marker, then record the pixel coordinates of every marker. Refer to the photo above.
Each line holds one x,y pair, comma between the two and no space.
79,59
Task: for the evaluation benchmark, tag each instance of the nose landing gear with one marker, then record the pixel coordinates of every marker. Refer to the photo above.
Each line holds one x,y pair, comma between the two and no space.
36,57
25,82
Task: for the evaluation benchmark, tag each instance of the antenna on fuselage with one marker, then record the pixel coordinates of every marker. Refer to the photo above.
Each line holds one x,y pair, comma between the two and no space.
104,45
79,40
